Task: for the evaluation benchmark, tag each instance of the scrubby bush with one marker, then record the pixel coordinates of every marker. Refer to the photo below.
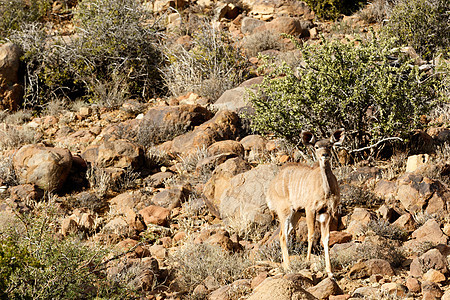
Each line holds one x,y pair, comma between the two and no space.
16,13
352,85
422,24
195,262
263,40
331,9
376,11
112,56
211,65
35,264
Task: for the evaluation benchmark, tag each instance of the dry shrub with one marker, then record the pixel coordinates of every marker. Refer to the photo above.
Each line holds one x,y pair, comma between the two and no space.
210,66
263,40
195,262
376,11
12,137
371,248
357,196
385,229
7,173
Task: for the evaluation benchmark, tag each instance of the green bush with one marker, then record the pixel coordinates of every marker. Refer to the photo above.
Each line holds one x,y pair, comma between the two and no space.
332,9
113,56
36,264
351,85
421,24
211,65
16,13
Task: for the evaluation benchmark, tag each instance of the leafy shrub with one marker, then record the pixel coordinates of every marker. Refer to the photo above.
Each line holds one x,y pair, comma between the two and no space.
331,9
112,56
34,264
16,13
210,66
421,24
350,85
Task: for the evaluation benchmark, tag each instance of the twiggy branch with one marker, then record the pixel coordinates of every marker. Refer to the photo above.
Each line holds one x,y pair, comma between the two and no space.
376,144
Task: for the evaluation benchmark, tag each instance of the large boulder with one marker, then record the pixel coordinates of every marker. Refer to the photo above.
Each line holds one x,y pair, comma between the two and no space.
223,126
116,153
11,92
269,9
220,179
235,99
185,115
46,167
416,193
243,203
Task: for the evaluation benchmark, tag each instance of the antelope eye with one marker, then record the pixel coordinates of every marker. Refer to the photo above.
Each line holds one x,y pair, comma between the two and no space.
317,147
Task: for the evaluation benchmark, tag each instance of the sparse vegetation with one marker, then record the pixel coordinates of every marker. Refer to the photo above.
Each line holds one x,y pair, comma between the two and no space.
94,70
211,65
194,263
421,24
34,264
332,9
263,40
114,56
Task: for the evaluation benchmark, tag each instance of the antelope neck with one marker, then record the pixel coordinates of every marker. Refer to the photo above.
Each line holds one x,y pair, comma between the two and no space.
325,171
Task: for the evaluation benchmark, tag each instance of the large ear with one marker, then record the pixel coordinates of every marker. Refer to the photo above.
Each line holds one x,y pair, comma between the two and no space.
338,137
307,138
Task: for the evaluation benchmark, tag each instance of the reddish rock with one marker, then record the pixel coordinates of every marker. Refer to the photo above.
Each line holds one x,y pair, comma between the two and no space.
118,154
69,226
365,269
339,237
325,289
413,285
171,197
244,201
430,232
434,276
11,92
432,259
223,126
227,146
25,192
405,222
221,177
155,215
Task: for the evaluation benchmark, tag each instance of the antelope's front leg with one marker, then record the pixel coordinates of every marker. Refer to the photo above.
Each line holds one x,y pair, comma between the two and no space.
310,222
324,220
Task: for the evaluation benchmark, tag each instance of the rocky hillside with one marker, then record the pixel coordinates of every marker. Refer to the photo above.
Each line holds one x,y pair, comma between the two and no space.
162,196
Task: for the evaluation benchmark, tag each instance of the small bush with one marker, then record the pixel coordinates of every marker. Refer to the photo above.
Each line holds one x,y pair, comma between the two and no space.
421,24
209,67
357,196
34,264
376,11
113,56
260,41
17,13
196,262
370,249
383,228
350,85
332,9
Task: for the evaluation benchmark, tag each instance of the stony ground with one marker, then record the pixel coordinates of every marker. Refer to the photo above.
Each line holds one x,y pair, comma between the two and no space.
176,189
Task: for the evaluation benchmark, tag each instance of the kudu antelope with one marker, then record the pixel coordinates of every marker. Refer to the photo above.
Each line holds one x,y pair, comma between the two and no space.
314,189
